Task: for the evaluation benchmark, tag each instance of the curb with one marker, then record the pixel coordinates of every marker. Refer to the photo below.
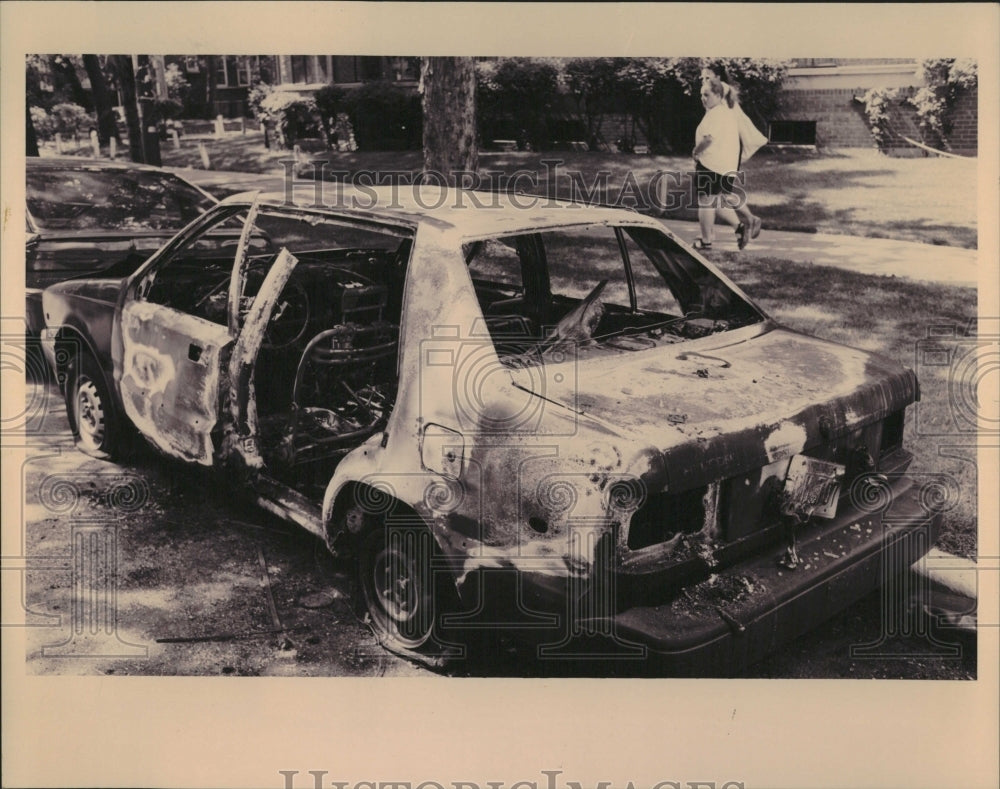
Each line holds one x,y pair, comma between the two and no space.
954,573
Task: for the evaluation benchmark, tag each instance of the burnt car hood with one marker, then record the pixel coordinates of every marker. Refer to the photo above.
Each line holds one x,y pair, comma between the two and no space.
722,409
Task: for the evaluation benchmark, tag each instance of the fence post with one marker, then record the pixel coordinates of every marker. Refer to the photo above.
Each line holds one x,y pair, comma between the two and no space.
95,143
220,126
59,143
113,148
203,151
176,138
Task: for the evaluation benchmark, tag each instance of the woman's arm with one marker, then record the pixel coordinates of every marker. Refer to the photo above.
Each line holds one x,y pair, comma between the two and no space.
703,143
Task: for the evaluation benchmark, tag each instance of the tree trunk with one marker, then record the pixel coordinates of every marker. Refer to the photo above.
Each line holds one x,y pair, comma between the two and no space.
126,81
31,139
107,125
449,109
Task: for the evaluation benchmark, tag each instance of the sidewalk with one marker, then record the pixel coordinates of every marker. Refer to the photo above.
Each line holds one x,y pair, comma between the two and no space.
886,257
879,256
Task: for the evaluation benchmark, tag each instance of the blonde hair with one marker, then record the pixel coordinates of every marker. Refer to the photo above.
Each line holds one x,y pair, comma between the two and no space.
729,93
716,86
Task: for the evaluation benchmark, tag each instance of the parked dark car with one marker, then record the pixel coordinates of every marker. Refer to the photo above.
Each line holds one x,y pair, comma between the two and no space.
558,417
88,216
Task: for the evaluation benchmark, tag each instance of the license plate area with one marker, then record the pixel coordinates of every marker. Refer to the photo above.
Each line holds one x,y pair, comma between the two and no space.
812,487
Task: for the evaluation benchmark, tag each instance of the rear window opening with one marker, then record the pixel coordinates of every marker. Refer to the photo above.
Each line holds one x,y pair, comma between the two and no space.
596,290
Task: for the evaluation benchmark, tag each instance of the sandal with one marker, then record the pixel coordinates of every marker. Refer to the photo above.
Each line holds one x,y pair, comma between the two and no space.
742,238
701,245
755,226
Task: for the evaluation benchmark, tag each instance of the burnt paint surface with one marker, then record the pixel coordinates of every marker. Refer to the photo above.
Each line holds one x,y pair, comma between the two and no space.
540,450
724,409
87,308
523,460
170,377
55,256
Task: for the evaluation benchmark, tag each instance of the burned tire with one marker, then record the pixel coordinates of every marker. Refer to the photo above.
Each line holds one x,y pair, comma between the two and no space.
96,427
396,584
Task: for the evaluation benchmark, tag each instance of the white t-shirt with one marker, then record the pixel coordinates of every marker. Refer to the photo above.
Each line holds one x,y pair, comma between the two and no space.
723,153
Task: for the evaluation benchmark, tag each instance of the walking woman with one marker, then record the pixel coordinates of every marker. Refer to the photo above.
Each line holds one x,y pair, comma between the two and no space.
750,141
716,155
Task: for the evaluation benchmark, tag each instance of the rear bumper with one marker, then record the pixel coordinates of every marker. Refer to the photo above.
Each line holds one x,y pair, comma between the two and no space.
743,613
717,621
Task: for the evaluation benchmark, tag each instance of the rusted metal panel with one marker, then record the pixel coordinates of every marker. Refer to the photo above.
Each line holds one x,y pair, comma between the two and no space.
238,280
170,378
243,430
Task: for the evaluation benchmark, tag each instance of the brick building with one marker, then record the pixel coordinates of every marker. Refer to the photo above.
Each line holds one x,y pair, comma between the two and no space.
820,105
220,83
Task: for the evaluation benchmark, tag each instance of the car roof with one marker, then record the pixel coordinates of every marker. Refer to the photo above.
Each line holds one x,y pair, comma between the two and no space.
79,162
471,213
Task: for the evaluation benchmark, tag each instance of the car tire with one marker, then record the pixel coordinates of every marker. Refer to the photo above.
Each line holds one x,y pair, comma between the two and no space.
96,427
397,585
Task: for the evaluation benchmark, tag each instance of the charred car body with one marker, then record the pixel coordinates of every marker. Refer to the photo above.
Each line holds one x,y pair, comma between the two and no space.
558,419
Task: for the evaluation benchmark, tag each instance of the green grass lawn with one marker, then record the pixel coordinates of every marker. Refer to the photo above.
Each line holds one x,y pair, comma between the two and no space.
854,192
890,316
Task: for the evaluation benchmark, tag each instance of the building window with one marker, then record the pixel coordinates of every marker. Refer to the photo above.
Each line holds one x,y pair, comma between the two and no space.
370,68
264,69
344,69
232,71
242,71
300,69
220,72
792,132
405,69
322,72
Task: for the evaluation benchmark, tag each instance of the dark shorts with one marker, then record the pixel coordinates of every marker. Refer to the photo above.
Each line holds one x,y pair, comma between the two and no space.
708,182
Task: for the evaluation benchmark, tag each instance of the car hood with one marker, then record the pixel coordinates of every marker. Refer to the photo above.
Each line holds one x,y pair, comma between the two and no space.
103,289
718,410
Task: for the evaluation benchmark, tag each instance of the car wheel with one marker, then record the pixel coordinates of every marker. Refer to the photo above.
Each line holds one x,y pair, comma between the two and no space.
91,411
394,573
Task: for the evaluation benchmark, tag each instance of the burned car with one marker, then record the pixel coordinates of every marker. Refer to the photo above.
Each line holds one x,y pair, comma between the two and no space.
87,216
556,419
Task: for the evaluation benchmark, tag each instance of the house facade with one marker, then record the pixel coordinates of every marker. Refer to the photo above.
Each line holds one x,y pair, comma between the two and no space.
820,105
820,101
220,84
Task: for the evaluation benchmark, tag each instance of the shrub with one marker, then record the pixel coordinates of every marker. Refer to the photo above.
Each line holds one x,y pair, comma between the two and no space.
255,98
385,117
659,96
294,116
43,123
330,104
177,85
515,98
169,109
71,120
945,79
877,103
593,84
